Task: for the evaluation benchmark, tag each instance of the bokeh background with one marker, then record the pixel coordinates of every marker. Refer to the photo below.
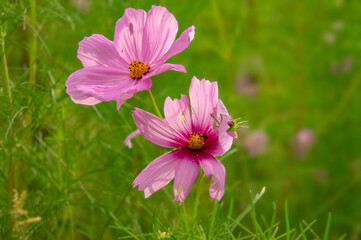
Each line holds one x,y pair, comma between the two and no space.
290,68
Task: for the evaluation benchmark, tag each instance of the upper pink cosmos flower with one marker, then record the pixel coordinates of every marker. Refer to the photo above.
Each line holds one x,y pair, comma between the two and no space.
197,136
116,70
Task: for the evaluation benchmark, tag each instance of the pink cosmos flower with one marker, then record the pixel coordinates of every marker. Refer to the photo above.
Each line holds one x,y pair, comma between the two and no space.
116,70
197,137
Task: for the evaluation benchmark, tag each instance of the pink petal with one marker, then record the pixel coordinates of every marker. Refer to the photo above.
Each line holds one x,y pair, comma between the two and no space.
81,98
160,31
214,170
140,85
221,109
185,175
204,97
127,141
180,44
225,140
233,134
98,50
155,130
178,115
94,84
157,174
128,36
164,68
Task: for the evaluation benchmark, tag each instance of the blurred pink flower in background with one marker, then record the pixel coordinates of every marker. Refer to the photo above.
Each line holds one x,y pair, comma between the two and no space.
197,137
82,5
303,141
256,142
343,66
329,38
116,70
247,85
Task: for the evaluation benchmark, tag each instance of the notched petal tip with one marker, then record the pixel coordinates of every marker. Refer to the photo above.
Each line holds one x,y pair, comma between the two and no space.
191,33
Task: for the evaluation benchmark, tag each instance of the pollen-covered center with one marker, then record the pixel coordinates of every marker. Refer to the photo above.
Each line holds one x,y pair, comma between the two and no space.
196,141
137,69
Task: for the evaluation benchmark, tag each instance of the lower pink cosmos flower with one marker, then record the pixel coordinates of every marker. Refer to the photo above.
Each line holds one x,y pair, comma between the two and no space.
198,132
116,70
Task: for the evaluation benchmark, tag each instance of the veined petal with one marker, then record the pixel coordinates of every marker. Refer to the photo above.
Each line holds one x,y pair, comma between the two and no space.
180,44
164,68
84,99
185,175
222,110
127,141
178,116
155,130
233,134
225,140
161,28
94,84
157,174
128,36
204,97
138,86
98,50
214,170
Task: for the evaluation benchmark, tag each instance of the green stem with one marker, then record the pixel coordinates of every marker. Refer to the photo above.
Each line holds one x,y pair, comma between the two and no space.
154,104
4,66
7,93
32,42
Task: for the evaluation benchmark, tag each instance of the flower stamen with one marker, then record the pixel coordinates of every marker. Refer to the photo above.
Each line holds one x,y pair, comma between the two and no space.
137,69
196,141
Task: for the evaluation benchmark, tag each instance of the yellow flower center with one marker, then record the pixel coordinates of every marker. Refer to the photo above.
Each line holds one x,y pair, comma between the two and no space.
137,69
196,141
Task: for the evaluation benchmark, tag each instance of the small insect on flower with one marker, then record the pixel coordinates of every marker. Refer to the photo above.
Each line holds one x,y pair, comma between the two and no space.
195,134
204,136
116,70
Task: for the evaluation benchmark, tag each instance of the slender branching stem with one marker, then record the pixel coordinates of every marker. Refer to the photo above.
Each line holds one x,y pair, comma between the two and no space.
4,66
7,93
155,105
32,42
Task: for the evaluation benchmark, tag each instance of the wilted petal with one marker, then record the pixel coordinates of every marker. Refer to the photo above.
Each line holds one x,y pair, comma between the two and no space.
98,50
160,31
94,84
127,141
180,44
157,174
128,36
185,175
155,130
214,170
204,97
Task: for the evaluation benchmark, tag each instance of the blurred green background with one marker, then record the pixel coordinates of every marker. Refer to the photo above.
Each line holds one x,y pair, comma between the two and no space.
290,68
